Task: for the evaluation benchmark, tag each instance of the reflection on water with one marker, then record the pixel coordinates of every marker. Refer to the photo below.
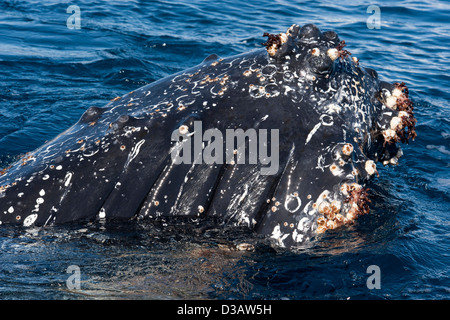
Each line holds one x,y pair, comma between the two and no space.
178,259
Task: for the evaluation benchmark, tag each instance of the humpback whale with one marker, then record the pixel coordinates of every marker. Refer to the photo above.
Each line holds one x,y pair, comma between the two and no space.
282,139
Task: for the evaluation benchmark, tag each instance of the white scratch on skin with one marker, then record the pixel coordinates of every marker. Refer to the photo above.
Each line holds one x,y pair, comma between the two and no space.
312,132
67,179
90,154
320,163
134,152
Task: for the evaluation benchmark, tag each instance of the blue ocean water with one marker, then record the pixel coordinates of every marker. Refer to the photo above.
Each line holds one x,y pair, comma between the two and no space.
50,74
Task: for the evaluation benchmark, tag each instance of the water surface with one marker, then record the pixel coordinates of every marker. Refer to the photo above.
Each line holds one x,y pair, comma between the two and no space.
50,74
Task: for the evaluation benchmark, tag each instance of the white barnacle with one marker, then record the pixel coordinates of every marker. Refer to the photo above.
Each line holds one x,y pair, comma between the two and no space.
370,167
102,213
345,189
335,170
42,193
402,114
389,134
391,102
324,207
396,123
315,52
347,149
183,129
397,92
333,53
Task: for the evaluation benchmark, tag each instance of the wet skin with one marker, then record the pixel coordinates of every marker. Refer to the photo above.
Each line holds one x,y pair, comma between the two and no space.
335,120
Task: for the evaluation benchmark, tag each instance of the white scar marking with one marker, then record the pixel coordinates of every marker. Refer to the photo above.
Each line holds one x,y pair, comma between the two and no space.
289,198
67,178
30,220
134,152
312,132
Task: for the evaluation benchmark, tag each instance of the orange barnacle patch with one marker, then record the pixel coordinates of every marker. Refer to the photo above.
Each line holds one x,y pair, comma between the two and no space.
405,106
341,52
359,201
115,99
